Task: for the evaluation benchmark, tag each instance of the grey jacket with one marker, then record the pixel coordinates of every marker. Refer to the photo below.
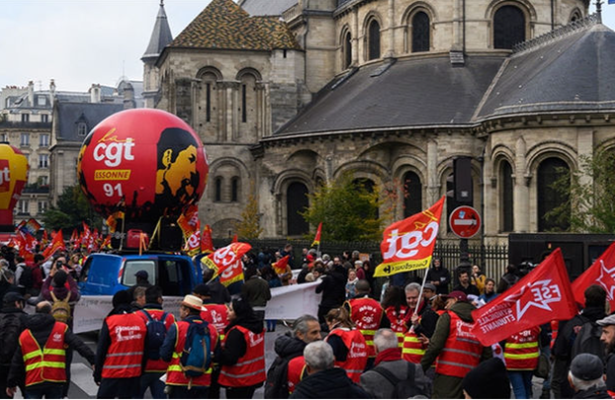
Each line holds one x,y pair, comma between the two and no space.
380,388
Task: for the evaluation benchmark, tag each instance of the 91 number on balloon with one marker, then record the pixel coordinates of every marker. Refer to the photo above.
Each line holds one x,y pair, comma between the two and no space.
111,190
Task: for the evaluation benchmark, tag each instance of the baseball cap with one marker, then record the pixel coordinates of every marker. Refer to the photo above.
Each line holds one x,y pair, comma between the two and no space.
12,297
610,320
587,367
457,294
142,274
430,286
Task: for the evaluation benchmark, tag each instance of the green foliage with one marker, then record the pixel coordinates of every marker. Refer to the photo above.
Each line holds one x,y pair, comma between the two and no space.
347,209
591,204
249,227
71,210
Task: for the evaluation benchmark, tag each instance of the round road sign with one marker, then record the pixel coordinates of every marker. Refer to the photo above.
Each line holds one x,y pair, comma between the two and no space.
464,222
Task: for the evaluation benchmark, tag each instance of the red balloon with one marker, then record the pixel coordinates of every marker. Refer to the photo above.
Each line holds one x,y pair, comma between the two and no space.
144,162
13,177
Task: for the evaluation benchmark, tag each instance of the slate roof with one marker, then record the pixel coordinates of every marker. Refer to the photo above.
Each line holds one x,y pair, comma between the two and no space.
69,114
225,25
161,35
574,72
411,93
267,7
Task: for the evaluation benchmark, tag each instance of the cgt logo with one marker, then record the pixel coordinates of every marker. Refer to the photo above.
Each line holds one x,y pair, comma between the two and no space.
5,176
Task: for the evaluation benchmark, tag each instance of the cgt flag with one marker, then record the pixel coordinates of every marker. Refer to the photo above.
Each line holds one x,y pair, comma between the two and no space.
408,245
226,261
541,296
602,272
280,266
317,237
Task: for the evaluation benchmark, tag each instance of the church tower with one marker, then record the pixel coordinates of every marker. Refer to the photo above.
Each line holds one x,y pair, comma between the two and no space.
161,36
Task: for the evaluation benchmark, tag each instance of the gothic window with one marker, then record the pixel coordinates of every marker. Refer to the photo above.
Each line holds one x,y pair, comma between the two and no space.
296,202
218,189
508,27
347,50
420,32
235,189
413,194
506,197
549,171
373,40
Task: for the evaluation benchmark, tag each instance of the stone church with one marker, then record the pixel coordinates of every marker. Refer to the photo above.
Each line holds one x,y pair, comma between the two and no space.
288,94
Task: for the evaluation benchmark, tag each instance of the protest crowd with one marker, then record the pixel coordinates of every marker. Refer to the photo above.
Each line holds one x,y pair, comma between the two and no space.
419,339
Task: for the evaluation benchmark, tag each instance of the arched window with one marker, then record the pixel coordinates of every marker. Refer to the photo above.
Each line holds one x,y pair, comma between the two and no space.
576,15
347,49
420,32
235,189
218,189
506,197
508,27
413,194
549,171
373,41
248,102
296,202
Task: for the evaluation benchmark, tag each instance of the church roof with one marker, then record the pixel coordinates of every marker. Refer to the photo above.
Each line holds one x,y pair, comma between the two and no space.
267,7
225,25
161,35
571,70
411,93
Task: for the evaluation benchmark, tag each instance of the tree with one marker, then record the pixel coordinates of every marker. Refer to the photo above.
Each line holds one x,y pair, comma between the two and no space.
591,204
72,209
347,209
249,227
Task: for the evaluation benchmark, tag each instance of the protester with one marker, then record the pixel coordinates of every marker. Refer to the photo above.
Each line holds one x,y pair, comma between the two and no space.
487,381
608,338
395,308
142,280
478,279
439,276
324,381
333,289
464,284
489,292
218,292
13,321
139,300
521,352
429,292
586,377
348,344
351,283
421,324
389,363
256,291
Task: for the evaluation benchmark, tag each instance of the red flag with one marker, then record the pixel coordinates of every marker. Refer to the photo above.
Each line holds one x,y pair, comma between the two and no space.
193,243
226,262
280,266
235,240
316,241
232,274
601,272
27,245
45,239
56,244
541,296
207,244
189,222
408,245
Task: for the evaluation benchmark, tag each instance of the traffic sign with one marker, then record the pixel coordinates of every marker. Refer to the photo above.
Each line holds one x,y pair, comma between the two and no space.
464,222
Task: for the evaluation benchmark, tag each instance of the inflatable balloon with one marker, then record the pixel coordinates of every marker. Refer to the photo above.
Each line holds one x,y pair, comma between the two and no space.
13,177
146,163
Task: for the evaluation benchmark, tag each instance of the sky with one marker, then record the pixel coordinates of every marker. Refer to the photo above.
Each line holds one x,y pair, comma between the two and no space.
81,42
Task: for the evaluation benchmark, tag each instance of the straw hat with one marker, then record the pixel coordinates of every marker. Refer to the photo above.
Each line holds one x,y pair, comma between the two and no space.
191,301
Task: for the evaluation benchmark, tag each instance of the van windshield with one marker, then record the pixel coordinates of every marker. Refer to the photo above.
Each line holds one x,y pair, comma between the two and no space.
134,266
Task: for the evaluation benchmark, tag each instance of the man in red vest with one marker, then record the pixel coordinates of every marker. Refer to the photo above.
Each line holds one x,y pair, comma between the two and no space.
41,355
120,353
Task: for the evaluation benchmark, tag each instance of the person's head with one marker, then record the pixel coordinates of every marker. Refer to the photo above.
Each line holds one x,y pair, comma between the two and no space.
307,329
318,357
436,263
139,296
153,295
595,296
489,286
239,308
190,305
43,307
429,291
356,254
438,303
7,275
608,332
352,274
464,277
13,300
488,380
454,297
511,269
586,371
393,297
202,291
318,272
358,264
412,294
288,247
476,270
337,260
142,276
59,278
385,339
338,317
121,298
362,287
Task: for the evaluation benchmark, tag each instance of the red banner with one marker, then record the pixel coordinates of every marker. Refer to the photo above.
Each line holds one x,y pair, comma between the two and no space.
541,296
280,266
207,244
602,272
317,237
408,244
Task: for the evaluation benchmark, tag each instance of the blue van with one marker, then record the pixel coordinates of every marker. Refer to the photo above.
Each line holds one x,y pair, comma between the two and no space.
107,274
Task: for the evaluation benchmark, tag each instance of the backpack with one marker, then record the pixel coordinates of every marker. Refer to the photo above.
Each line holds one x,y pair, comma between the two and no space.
588,341
196,355
60,309
156,332
402,389
276,386
10,329
25,279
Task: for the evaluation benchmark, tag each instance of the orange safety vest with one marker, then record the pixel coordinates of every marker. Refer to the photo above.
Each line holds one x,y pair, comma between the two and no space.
48,364
296,372
521,350
398,322
357,352
125,354
156,365
461,352
367,314
217,316
250,368
175,374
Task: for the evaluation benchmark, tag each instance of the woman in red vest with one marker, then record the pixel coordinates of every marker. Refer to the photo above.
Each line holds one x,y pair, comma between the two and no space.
521,353
242,356
396,309
349,347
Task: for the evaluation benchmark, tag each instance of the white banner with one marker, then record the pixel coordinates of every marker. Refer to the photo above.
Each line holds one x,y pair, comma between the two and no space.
287,302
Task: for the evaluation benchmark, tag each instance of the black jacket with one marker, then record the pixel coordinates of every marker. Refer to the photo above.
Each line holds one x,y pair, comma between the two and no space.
442,276
236,346
328,384
286,348
333,288
592,393
12,323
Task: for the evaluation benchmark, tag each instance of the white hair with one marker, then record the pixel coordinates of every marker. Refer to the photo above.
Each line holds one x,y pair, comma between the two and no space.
413,286
319,355
580,384
385,339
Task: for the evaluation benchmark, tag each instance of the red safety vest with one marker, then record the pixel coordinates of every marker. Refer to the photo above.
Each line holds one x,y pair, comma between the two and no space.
367,314
357,352
296,372
521,350
412,349
461,352
217,316
156,365
125,354
250,368
48,364
398,322
175,375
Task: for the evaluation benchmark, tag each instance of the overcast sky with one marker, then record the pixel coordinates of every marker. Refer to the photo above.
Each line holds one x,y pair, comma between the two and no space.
80,42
